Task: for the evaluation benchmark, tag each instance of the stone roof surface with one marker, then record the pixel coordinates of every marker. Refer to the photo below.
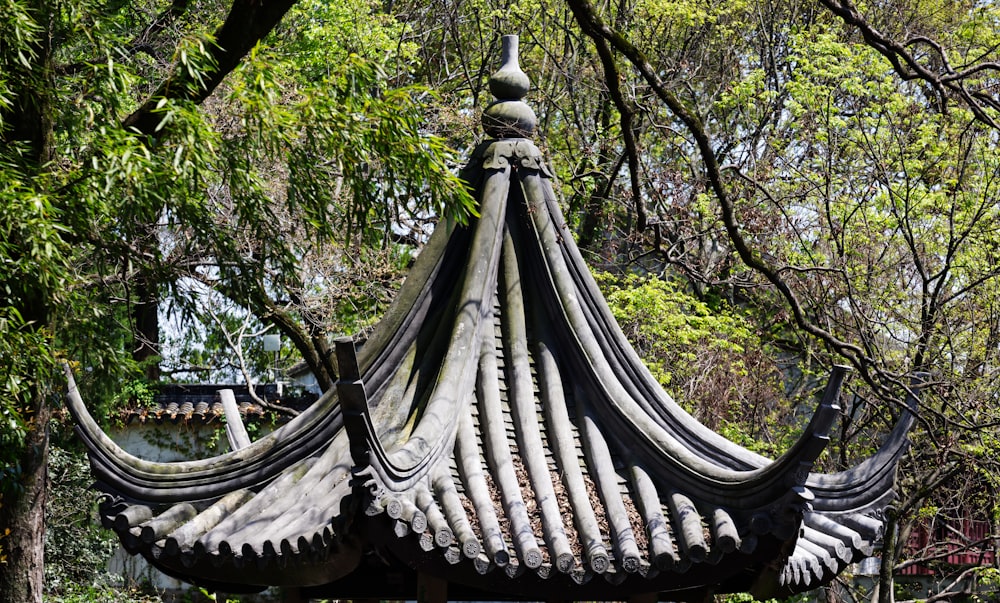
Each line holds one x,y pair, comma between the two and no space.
498,430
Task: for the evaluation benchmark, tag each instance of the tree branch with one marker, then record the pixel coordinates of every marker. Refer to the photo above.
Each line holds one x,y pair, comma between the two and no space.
594,27
249,21
626,118
908,67
162,21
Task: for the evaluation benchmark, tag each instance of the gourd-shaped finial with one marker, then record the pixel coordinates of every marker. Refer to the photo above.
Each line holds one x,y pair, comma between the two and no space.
509,116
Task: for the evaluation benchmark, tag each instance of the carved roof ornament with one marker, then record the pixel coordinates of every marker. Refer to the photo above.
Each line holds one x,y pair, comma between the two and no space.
498,431
509,116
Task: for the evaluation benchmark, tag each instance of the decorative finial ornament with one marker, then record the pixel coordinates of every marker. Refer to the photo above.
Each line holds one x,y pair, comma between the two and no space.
509,116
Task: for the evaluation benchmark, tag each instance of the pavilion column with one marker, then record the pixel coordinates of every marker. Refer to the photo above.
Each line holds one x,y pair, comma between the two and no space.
431,589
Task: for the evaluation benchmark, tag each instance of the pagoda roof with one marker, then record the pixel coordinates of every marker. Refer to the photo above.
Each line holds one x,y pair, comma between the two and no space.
499,431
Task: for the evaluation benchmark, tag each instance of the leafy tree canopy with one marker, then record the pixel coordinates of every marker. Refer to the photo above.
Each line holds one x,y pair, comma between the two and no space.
148,146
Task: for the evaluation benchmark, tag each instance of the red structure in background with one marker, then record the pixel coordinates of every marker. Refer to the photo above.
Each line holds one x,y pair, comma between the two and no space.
964,542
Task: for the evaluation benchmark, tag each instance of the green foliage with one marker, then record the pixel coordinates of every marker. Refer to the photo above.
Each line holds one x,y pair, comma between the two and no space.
16,371
319,34
97,593
18,30
350,151
33,274
215,439
210,596
76,548
688,15
672,326
353,161
710,358
376,135
309,146
136,393
748,598
988,579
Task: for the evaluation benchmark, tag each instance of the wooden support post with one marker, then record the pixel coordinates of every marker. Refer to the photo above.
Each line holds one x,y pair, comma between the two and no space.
235,431
644,598
431,589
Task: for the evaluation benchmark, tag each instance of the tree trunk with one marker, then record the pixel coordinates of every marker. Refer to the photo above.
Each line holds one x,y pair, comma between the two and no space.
886,587
22,495
146,321
594,218
23,513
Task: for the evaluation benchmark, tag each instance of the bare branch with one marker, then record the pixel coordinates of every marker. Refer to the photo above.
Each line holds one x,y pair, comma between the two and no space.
945,83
